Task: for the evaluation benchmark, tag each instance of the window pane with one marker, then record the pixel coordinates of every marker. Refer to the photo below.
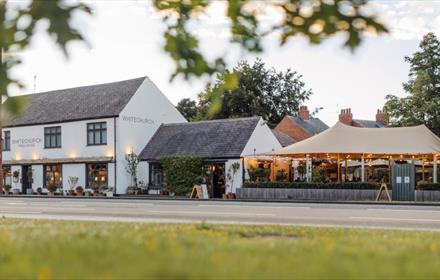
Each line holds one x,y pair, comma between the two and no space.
97,137
47,140
103,125
104,137
58,144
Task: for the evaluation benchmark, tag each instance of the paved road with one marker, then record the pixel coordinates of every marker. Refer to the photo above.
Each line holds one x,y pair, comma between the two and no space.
382,216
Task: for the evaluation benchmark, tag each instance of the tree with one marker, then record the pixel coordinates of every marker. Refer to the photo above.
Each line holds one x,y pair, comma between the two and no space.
422,105
260,91
188,108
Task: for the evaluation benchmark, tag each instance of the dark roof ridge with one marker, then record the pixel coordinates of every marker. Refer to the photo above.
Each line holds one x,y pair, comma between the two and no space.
212,121
78,87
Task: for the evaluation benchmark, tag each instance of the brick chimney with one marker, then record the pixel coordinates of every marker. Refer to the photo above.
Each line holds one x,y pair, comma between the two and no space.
380,116
346,117
304,113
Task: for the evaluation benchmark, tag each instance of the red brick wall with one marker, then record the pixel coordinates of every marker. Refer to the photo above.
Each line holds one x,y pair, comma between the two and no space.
287,126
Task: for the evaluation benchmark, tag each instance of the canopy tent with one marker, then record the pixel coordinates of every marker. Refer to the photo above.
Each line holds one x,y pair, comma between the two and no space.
345,140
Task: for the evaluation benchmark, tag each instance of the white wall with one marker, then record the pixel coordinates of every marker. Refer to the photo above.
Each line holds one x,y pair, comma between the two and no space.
37,176
27,142
137,123
261,141
236,181
74,170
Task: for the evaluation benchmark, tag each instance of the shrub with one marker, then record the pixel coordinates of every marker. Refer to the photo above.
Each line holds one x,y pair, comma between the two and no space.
79,190
39,190
428,186
8,187
181,172
319,174
301,185
51,187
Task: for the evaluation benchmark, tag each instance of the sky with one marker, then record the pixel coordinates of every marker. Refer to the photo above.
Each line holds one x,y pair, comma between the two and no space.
124,40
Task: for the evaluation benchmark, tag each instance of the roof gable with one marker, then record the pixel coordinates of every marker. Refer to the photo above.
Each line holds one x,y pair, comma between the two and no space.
89,102
207,139
312,126
369,123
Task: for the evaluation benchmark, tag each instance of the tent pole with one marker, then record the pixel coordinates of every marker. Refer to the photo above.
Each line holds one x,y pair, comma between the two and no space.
423,169
363,168
434,171
346,170
339,169
389,170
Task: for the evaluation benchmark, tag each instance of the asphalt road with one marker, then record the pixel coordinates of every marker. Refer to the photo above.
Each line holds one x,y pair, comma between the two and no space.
349,215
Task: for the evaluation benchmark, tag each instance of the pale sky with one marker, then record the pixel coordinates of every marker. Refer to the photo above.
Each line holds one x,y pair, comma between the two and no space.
125,39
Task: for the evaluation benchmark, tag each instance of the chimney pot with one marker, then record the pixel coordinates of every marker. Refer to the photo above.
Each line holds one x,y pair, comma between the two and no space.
304,113
346,117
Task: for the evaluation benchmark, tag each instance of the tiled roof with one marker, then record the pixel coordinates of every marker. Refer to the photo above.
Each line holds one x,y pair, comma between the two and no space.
284,139
312,126
207,139
368,123
89,102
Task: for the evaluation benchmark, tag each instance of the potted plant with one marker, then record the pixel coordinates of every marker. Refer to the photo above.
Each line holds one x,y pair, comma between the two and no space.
109,192
16,176
79,190
232,171
96,189
51,188
72,181
131,168
7,188
39,190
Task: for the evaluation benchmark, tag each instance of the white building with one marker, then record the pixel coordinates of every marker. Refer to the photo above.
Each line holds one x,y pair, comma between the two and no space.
220,143
83,132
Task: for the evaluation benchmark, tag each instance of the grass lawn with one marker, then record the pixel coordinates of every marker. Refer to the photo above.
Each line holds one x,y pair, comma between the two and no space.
64,249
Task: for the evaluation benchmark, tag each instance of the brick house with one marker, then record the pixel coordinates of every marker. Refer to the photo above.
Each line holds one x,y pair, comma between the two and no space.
346,117
298,128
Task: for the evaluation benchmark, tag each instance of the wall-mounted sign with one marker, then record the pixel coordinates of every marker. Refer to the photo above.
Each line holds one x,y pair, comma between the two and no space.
26,142
407,179
398,180
137,120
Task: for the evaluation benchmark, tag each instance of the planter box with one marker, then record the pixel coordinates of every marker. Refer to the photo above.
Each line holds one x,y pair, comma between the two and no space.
325,194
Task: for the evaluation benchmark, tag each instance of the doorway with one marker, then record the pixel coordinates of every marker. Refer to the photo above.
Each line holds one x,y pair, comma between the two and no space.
25,182
215,173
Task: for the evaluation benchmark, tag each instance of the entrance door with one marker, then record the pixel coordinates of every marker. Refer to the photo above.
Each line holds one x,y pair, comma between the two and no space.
25,183
403,182
216,176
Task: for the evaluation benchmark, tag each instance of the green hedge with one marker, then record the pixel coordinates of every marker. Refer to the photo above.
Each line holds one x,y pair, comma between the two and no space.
182,172
428,186
302,185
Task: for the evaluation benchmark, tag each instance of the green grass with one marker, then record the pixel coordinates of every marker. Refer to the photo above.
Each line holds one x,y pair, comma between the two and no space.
59,249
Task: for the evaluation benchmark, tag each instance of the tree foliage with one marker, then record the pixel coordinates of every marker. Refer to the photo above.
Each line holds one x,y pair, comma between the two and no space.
260,91
181,172
422,104
314,19
17,27
188,108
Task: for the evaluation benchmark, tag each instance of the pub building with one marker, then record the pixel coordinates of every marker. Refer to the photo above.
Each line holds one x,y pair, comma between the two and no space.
83,133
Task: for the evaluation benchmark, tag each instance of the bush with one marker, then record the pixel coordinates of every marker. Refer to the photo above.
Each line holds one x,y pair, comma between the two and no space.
301,185
39,190
428,186
51,187
8,187
181,172
79,190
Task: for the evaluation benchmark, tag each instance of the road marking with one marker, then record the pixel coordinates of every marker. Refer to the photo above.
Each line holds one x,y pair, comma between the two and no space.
405,210
20,212
253,206
17,203
396,219
211,213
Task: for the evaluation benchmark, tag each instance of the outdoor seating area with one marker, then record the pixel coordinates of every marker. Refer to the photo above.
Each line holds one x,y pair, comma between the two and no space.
350,155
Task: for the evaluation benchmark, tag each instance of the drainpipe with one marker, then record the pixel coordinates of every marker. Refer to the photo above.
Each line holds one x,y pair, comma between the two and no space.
363,168
114,153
